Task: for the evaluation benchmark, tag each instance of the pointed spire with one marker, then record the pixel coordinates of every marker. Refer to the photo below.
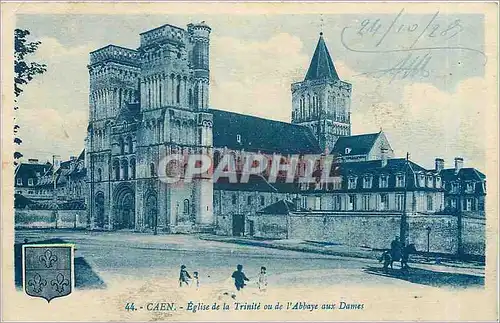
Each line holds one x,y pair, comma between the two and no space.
321,66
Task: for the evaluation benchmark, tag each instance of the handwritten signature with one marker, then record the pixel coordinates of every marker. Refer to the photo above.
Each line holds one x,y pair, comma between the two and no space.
410,66
413,64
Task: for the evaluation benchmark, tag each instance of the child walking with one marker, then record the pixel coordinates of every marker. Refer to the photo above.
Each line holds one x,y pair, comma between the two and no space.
239,278
196,280
262,279
184,276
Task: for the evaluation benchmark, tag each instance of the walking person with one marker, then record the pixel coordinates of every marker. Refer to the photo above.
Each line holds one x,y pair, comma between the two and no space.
196,280
184,276
239,278
262,283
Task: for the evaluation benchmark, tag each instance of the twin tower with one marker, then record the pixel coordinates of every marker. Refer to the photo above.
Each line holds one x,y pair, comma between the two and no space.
145,104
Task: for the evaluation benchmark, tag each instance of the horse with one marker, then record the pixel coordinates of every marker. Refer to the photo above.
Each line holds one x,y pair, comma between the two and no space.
403,255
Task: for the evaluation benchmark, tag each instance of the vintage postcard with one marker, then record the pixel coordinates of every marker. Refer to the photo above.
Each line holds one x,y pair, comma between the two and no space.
190,161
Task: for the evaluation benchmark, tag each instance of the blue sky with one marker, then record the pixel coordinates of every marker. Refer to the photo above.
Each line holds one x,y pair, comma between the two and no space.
255,58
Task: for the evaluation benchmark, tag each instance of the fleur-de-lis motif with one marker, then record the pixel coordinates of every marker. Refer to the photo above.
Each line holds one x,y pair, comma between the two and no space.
37,283
59,283
48,258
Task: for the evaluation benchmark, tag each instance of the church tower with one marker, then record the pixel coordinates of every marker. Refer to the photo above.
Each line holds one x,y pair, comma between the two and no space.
322,101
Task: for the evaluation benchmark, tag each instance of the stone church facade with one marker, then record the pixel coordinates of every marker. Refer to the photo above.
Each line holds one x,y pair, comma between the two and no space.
144,104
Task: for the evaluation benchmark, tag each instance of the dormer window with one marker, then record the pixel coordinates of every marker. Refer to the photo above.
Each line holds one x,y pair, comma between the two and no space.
438,182
30,181
337,183
351,183
421,180
400,180
238,139
367,182
347,151
19,182
383,181
429,181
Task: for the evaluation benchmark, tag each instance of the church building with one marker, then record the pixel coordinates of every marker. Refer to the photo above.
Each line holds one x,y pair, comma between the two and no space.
152,101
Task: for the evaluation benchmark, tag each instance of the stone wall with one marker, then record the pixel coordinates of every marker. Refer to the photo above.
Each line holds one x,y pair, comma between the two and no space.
46,219
374,230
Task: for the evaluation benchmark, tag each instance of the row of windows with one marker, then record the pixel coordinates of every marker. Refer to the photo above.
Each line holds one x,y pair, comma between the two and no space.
155,91
469,187
311,106
366,203
19,181
383,182
126,170
469,204
367,182
126,146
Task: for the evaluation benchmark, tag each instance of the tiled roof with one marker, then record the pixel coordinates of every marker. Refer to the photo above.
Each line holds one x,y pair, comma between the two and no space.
282,207
321,66
394,165
255,183
358,144
258,134
28,170
374,168
465,174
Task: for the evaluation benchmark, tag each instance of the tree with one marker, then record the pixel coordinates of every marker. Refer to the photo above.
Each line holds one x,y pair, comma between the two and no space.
23,72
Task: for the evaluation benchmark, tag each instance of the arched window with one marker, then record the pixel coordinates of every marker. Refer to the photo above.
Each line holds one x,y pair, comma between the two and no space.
99,175
186,207
130,145
152,170
122,145
125,169
190,97
116,168
178,91
132,168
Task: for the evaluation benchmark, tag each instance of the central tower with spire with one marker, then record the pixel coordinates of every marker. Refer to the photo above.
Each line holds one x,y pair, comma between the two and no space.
322,101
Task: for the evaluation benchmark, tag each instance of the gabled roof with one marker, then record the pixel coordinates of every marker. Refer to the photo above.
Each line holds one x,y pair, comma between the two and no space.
258,134
321,66
358,144
30,170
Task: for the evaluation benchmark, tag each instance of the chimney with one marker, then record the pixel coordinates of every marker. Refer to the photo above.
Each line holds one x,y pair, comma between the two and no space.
383,151
33,161
439,164
459,163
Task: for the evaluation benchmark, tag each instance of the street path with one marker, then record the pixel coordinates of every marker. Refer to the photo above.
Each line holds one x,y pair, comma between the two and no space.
114,256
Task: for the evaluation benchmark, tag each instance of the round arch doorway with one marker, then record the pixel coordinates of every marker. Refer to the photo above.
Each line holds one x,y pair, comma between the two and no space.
124,208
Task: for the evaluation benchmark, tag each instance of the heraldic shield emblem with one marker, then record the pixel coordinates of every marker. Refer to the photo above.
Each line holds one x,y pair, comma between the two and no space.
48,270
